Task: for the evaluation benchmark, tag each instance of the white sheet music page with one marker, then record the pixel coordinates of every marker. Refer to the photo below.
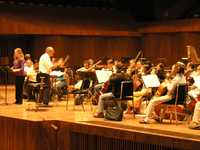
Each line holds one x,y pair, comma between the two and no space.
151,80
103,75
56,73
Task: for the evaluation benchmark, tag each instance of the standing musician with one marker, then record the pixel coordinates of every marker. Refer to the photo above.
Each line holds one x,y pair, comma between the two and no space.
156,100
18,69
45,68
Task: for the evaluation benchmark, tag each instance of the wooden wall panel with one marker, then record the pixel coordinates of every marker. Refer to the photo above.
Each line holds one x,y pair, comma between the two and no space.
170,26
171,46
16,19
80,48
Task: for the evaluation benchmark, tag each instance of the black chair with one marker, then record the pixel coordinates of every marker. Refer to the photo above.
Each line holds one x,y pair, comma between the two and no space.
37,87
84,90
179,99
126,94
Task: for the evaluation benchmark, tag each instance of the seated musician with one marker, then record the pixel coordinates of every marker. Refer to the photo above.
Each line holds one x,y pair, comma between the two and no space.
195,124
115,83
28,67
156,100
86,67
117,62
90,62
190,70
140,91
193,95
31,76
63,80
109,65
159,71
131,66
196,72
101,87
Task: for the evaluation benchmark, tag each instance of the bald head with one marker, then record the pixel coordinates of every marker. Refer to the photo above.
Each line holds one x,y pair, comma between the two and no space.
50,51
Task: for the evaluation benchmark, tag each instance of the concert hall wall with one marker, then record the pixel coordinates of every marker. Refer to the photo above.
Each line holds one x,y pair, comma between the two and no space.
169,47
92,33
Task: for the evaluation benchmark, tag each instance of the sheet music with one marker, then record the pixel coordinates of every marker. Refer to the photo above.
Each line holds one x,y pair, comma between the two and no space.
56,73
151,80
78,84
103,75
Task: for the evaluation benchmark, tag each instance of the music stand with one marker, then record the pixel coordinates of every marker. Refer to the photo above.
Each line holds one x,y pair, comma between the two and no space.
4,62
103,75
87,75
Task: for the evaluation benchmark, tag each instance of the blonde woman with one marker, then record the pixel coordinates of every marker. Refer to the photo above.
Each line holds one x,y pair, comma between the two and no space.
18,69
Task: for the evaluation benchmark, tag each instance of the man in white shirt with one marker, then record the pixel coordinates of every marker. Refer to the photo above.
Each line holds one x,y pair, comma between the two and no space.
45,68
45,64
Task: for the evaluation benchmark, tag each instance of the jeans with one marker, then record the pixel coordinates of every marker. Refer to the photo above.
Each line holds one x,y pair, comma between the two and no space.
102,98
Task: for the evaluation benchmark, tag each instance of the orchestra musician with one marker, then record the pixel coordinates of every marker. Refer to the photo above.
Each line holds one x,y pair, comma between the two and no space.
159,71
115,83
45,68
100,88
18,69
86,67
179,78
63,80
140,91
189,70
195,124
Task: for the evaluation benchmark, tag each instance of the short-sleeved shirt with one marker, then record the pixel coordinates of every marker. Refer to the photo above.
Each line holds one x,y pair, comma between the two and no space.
19,64
45,64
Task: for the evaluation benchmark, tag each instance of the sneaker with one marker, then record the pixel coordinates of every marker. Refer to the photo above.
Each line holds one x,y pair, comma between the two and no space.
194,125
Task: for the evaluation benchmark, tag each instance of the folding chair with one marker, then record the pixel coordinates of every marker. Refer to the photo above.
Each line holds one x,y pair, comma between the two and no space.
84,89
180,99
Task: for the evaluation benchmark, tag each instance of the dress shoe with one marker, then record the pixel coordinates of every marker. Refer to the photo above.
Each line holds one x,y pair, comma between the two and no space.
99,115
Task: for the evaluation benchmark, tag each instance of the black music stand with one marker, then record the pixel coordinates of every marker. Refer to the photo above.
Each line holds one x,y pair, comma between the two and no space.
87,75
4,62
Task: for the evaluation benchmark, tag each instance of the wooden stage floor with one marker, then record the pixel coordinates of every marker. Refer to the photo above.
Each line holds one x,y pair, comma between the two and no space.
58,112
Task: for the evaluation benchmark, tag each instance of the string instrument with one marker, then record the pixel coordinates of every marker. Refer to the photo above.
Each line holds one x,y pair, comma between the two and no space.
138,55
137,83
105,87
98,62
162,89
66,59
